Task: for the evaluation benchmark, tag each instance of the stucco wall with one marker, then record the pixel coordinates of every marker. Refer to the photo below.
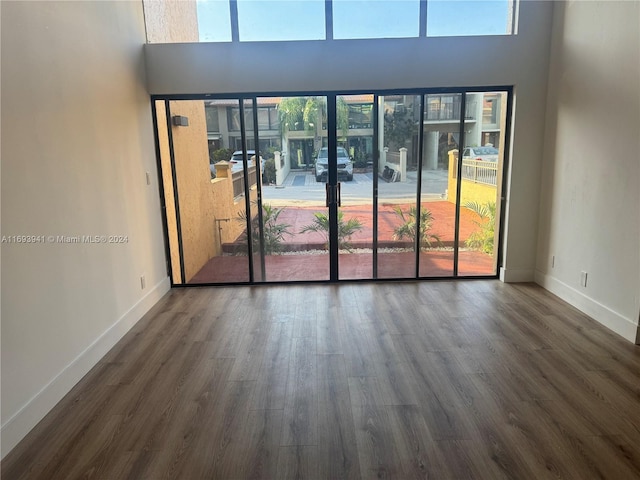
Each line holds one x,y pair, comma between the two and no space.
193,175
590,203
171,20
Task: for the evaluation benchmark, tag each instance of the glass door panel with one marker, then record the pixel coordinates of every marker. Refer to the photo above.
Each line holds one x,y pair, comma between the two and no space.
295,219
481,182
206,196
441,133
355,176
327,188
398,143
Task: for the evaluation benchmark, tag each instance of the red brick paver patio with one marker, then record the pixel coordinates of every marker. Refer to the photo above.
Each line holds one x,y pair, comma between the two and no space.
433,263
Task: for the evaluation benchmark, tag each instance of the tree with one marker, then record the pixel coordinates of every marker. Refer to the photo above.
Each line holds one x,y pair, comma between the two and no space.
399,127
309,114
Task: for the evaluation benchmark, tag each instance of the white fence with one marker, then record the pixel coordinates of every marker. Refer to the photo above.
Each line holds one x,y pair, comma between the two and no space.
478,171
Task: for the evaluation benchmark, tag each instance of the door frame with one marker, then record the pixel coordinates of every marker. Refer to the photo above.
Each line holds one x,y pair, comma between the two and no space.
332,177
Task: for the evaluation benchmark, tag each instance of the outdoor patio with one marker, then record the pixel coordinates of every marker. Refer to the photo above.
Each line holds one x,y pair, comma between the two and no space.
294,264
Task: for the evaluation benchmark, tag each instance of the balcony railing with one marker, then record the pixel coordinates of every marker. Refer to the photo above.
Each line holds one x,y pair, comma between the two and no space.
238,181
478,171
448,111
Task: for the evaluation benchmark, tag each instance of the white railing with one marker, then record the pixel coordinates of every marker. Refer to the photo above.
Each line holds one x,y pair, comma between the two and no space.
238,181
478,171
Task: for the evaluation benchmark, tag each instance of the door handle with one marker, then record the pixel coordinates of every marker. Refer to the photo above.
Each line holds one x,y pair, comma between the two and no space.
332,194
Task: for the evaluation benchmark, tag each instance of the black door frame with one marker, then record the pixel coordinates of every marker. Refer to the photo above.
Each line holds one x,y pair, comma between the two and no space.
332,177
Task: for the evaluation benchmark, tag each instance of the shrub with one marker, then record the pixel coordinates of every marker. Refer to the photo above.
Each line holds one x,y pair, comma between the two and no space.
274,232
482,238
345,229
408,227
269,174
220,154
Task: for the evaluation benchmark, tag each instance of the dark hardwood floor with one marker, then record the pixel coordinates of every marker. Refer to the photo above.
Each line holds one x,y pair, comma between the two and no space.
468,379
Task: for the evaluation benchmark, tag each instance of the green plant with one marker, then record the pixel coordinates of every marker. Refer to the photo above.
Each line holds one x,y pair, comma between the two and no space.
482,238
271,151
307,113
346,229
269,174
220,154
399,127
408,227
273,231
360,160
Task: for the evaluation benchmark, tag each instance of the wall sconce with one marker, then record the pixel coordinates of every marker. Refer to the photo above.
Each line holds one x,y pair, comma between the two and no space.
180,121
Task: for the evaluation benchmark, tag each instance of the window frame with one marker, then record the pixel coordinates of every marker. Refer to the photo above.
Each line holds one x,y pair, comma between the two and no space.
422,18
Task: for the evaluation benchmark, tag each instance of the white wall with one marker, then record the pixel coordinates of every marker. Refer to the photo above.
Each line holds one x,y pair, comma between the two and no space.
77,140
590,203
342,65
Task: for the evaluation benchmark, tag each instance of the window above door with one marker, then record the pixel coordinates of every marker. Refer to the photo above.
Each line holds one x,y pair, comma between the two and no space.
178,21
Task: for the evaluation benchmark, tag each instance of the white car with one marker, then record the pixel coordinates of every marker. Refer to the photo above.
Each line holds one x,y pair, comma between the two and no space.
485,154
237,164
345,166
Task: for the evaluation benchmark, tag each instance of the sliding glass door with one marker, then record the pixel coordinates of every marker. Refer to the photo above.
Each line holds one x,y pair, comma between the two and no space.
295,222
396,185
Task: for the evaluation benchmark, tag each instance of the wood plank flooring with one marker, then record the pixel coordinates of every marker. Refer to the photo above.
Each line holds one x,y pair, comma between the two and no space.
442,380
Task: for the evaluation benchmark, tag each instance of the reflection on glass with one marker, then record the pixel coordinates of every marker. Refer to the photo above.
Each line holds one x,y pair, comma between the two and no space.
463,18
269,20
375,19
482,160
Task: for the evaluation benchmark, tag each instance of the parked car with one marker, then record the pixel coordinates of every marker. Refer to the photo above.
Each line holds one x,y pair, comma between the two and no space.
237,164
485,154
345,166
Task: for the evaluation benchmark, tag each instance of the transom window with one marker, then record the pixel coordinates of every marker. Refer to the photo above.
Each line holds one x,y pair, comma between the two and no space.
285,20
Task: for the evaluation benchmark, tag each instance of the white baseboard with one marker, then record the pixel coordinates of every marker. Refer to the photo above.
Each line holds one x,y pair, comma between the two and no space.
516,275
625,327
16,427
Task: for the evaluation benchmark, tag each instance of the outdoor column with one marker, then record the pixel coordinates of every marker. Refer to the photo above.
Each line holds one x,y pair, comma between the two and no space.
383,160
276,159
223,169
430,161
452,184
403,164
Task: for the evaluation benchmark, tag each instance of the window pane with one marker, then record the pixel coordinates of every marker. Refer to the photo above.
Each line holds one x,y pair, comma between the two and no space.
375,19
480,186
266,20
274,120
441,134
213,124
233,119
214,20
263,118
360,116
462,18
